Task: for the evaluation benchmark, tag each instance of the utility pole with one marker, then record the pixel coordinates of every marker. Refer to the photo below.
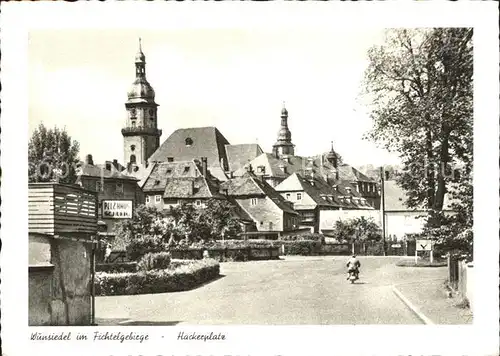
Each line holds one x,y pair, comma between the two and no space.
382,206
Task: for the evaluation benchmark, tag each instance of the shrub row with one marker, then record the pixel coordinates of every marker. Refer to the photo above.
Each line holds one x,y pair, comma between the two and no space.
181,278
302,247
411,263
118,267
152,261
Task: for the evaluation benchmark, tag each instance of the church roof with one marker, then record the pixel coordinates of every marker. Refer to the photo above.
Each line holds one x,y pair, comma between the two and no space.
239,155
193,143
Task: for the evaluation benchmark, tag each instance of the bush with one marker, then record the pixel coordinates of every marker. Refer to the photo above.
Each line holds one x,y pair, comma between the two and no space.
155,260
304,237
118,267
302,248
143,244
182,278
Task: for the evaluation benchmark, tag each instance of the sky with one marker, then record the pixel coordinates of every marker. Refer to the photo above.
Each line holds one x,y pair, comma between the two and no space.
233,78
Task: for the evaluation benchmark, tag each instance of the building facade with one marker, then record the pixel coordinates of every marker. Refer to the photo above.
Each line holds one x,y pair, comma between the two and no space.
111,185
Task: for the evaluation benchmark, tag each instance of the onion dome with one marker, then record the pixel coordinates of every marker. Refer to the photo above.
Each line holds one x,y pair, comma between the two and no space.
141,89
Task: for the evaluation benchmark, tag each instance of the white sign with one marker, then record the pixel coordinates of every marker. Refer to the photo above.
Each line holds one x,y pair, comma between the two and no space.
396,245
424,245
117,209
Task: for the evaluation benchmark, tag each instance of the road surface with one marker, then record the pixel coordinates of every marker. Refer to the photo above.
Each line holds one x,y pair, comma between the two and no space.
294,291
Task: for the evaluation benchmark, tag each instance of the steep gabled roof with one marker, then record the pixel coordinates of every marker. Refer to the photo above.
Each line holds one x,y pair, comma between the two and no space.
250,185
351,174
157,179
193,143
273,166
239,155
322,193
189,188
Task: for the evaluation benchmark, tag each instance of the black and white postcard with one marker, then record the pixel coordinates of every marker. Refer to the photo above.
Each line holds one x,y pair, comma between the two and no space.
250,178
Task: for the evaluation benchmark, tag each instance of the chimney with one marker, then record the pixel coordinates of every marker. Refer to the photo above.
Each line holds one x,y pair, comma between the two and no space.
204,166
249,168
89,160
108,166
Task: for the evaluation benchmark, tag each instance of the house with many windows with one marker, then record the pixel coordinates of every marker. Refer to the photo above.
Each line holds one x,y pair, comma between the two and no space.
312,195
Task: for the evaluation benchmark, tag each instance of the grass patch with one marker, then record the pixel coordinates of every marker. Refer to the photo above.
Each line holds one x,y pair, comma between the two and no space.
411,263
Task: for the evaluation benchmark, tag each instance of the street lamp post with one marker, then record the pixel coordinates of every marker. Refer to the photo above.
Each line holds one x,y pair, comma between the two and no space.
382,206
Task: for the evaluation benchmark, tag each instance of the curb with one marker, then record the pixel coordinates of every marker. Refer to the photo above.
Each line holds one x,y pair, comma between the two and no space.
412,307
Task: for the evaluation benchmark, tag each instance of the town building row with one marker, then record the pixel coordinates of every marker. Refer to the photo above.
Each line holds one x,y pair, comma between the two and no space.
273,192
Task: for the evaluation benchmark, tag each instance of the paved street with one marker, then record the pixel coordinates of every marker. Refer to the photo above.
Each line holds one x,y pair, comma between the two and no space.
310,290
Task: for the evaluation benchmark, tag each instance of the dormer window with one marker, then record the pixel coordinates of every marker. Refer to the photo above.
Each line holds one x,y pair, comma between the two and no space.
186,169
169,171
188,141
170,159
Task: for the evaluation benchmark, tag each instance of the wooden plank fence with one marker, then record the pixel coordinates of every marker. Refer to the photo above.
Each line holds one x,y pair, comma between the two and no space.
58,209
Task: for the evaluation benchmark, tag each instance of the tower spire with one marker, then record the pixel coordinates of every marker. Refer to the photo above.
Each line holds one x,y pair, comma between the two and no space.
283,145
140,45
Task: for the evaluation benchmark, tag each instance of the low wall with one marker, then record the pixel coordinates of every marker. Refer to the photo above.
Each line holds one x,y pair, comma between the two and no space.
59,282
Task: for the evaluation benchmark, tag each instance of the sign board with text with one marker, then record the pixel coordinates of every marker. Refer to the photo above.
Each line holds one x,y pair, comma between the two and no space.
117,209
424,245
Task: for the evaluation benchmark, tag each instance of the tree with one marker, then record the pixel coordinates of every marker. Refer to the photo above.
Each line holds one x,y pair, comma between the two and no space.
147,231
419,85
52,156
357,229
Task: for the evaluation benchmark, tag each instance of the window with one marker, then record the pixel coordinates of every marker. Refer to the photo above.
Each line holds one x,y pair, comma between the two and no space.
132,148
151,112
132,159
253,201
170,159
119,187
98,186
148,199
157,198
133,123
186,169
270,225
189,141
169,171
198,203
287,196
299,196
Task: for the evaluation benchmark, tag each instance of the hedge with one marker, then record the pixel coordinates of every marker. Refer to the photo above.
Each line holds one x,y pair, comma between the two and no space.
181,278
151,261
302,247
411,263
118,267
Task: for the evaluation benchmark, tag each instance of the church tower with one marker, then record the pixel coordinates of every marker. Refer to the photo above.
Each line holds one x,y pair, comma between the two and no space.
283,145
141,136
